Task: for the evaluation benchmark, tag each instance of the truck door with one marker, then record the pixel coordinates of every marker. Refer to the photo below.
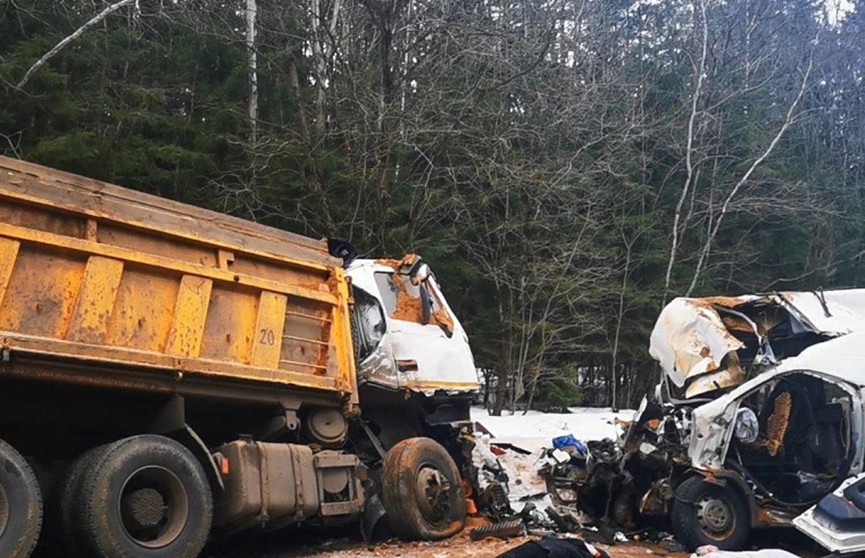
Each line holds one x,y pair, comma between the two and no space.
429,346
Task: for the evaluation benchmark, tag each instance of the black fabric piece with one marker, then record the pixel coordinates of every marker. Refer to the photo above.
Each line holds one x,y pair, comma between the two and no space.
552,548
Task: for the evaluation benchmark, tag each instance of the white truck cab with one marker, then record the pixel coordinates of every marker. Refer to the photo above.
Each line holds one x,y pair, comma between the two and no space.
406,335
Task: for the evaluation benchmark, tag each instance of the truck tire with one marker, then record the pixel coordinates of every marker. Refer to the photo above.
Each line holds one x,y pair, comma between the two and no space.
61,514
422,491
145,496
20,505
705,513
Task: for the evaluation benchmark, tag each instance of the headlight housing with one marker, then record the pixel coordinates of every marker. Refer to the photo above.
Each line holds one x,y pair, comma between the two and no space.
747,426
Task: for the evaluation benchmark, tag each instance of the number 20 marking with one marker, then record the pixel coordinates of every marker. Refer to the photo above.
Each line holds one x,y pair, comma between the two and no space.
267,337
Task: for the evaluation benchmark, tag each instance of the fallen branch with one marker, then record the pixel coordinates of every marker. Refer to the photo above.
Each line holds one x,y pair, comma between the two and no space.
62,44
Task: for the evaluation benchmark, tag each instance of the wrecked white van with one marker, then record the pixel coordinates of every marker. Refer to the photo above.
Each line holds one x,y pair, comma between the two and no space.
772,447
759,416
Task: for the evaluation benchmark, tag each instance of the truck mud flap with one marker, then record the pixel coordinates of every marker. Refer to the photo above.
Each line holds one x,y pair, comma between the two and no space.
372,514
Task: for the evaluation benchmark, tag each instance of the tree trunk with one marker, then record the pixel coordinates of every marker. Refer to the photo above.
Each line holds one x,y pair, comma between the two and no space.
251,13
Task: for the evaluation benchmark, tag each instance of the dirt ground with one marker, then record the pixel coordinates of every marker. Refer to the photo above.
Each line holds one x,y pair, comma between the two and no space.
345,543
331,545
462,547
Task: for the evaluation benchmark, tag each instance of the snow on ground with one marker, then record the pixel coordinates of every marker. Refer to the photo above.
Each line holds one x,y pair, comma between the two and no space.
536,430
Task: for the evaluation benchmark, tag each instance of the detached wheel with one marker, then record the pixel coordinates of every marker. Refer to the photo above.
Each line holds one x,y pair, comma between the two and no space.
705,513
145,496
20,505
422,491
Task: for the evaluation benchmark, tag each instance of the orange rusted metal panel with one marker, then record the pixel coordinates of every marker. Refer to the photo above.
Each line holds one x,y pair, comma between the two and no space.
269,329
230,328
190,313
27,184
93,272
41,293
95,300
142,314
8,255
340,354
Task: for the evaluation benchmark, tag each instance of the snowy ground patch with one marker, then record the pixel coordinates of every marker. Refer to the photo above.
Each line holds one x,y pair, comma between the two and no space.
536,430
532,433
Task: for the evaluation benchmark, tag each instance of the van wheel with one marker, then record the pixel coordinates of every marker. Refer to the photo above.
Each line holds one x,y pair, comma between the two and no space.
422,491
706,513
20,504
145,496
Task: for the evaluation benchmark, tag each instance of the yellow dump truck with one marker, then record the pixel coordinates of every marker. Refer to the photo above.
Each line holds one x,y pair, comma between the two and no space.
167,370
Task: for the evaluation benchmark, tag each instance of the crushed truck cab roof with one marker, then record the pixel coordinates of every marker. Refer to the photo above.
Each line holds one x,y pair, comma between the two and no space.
705,344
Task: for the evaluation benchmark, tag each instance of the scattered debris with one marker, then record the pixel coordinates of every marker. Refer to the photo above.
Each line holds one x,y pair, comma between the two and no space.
501,530
704,450
546,479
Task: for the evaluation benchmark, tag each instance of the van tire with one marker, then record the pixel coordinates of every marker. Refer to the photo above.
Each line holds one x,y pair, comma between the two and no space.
20,504
422,491
145,496
706,513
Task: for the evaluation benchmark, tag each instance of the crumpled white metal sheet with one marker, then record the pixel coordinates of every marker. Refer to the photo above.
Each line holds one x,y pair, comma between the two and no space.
844,310
690,339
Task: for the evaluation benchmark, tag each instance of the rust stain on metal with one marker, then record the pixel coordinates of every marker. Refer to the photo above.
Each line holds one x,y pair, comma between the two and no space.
735,323
389,262
403,264
778,423
653,424
91,272
442,318
766,517
408,308
709,302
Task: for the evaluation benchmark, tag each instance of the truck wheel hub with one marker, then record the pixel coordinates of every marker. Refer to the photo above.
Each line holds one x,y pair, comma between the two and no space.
144,508
714,515
154,507
433,490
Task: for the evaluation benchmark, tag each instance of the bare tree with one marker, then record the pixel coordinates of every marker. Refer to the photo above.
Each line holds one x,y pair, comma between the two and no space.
715,227
251,15
72,37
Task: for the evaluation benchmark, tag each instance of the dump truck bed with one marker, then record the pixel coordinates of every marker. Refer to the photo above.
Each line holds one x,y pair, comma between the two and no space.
111,280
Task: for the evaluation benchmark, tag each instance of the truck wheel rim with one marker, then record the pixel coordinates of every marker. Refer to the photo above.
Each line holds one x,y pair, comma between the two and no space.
153,506
4,510
433,493
715,517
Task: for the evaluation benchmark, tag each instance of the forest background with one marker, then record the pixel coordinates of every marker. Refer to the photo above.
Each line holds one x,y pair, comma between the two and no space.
566,166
